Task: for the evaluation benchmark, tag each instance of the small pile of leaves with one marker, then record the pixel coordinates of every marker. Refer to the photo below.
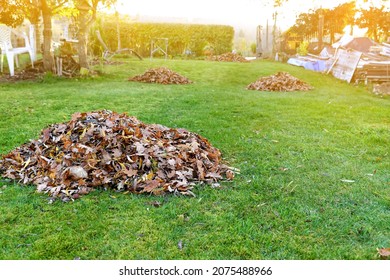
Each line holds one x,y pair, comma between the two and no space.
161,75
281,81
228,57
111,150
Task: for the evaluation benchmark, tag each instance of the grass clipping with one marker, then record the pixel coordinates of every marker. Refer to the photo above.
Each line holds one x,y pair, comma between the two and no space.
112,150
280,81
161,75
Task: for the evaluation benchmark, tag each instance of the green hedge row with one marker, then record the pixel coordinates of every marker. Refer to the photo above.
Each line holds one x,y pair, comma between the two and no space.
182,38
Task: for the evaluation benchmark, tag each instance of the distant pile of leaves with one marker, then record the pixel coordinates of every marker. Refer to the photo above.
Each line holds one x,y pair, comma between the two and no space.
161,75
280,81
228,57
115,151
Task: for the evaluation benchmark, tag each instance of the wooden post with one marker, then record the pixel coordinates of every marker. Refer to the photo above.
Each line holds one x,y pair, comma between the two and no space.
59,65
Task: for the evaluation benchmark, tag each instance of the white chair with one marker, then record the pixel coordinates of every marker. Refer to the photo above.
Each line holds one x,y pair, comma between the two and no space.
11,52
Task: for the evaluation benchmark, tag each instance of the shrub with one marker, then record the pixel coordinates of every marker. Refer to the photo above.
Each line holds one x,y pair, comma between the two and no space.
182,38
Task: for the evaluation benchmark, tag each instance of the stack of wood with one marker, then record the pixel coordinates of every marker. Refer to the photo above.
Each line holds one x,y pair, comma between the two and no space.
228,57
281,81
161,75
111,150
373,71
66,66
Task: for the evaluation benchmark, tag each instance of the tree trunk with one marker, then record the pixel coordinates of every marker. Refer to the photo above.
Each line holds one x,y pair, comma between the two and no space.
118,30
83,38
47,35
37,39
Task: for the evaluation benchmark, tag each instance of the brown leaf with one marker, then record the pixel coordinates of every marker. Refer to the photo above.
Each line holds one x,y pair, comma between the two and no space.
151,186
46,135
130,172
199,165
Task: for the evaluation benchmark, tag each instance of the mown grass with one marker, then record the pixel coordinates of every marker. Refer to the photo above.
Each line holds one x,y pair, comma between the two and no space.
295,151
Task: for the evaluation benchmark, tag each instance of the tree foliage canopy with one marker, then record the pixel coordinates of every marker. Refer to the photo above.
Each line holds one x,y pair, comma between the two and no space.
376,20
11,13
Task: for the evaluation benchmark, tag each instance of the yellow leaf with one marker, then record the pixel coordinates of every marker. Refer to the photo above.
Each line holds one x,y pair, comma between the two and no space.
25,164
150,176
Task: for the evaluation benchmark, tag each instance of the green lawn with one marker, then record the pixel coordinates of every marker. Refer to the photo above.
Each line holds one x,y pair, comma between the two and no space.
314,182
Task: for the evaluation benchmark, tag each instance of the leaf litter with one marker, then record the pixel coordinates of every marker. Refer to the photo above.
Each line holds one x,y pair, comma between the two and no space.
384,252
228,57
114,151
281,81
161,75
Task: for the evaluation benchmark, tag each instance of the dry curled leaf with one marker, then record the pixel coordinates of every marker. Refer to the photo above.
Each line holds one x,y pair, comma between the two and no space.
114,151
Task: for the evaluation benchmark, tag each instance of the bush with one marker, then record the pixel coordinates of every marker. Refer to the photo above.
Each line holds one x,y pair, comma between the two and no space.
303,48
182,38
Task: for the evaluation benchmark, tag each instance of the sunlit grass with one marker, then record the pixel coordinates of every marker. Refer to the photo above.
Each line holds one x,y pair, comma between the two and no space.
314,180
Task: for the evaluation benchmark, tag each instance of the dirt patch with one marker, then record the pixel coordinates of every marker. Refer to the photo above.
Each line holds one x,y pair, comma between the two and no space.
27,74
280,81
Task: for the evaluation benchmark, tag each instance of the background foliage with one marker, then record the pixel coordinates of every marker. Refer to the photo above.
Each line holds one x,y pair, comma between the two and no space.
195,38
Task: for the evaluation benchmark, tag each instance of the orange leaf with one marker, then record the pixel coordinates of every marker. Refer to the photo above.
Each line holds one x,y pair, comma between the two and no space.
149,187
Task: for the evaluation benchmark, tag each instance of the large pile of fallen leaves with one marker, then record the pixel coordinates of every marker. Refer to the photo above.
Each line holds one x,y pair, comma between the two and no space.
107,149
228,57
281,81
161,75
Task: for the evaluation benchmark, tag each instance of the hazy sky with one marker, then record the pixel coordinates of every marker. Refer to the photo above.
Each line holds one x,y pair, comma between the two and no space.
226,11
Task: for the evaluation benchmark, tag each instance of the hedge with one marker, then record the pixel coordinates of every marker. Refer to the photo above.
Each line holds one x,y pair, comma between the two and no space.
196,39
